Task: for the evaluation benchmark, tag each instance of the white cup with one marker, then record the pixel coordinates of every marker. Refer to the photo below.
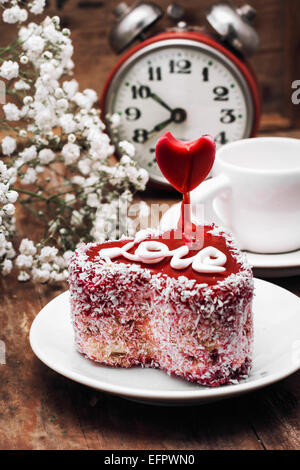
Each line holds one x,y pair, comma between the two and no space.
255,192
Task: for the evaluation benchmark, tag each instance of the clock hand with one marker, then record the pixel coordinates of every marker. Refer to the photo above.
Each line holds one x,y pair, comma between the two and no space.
178,115
160,101
156,98
161,125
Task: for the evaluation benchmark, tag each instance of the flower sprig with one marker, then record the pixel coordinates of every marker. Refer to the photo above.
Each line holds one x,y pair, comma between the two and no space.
56,158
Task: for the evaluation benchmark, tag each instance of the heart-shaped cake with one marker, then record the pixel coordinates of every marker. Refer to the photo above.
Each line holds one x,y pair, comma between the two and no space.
154,302
178,300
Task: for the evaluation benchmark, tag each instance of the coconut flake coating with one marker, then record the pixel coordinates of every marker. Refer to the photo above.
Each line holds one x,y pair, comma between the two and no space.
127,314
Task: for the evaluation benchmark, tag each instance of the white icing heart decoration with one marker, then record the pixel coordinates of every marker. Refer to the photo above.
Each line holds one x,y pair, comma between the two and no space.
207,260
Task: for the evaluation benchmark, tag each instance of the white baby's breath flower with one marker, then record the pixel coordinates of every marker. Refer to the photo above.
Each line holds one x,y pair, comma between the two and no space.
40,275
143,176
86,99
81,101
125,160
3,171
68,123
115,120
50,70
46,156
21,85
59,93
29,153
12,112
12,175
62,104
70,153
18,163
23,276
127,148
24,59
48,266
72,138
66,32
34,46
39,169
37,6
9,145
11,196
24,261
48,254
30,176
6,267
56,20
84,166
91,95
93,200
59,276
27,247
15,14
70,88
10,252
45,118
23,133
40,140
27,100
9,209
9,70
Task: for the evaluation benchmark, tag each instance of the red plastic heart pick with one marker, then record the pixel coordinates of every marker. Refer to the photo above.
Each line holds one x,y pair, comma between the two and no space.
185,164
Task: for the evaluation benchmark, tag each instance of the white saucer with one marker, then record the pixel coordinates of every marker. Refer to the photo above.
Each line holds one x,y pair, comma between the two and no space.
264,265
276,353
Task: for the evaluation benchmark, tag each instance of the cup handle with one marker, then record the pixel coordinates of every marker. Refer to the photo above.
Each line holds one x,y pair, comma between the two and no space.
208,190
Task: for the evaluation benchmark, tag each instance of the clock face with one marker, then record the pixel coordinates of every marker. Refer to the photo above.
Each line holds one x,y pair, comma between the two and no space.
185,87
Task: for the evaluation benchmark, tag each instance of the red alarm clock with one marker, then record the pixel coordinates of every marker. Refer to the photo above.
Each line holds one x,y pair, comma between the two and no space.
186,80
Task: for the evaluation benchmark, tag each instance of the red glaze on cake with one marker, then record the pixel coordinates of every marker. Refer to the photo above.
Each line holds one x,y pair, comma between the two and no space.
192,324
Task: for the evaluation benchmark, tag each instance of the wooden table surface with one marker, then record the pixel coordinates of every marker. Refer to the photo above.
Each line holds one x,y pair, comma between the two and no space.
39,409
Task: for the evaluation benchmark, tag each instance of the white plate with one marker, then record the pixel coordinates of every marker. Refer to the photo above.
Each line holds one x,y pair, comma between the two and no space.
276,353
264,265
